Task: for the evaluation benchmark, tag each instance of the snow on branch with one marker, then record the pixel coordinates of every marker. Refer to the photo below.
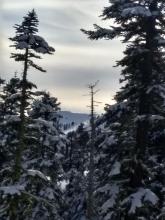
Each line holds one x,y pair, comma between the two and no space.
39,199
38,173
100,33
136,11
112,200
137,199
12,190
115,169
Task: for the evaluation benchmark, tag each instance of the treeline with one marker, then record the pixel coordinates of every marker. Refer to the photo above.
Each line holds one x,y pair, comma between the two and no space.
46,175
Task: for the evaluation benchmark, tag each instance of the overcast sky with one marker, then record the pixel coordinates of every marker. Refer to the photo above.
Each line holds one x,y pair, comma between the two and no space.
77,60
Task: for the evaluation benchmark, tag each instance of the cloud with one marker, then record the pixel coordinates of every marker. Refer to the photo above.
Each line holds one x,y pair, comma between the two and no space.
77,60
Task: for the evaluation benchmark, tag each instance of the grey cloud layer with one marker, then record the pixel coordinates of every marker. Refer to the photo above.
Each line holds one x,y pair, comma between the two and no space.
77,60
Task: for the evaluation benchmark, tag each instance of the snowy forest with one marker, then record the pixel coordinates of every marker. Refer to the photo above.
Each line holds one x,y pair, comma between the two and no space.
112,168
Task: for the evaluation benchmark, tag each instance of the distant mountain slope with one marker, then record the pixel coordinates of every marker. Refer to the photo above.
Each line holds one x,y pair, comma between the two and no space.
70,119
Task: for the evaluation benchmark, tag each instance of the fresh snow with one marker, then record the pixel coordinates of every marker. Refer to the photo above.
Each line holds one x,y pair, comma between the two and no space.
62,184
49,193
12,190
136,11
12,118
115,169
108,216
112,200
39,174
14,96
136,199
34,42
156,117
22,45
105,188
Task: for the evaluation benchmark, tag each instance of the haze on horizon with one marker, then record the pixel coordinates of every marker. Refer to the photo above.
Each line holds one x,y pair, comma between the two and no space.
77,60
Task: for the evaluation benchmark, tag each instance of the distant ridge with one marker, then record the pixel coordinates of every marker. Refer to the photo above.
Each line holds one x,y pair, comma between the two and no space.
72,119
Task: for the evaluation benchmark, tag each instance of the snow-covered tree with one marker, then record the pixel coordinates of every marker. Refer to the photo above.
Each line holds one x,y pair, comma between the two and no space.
75,166
76,150
113,144
37,187
140,24
28,41
10,103
18,188
11,191
75,196
50,144
44,156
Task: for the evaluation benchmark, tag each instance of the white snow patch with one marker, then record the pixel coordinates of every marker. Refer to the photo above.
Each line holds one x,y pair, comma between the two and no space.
136,199
12,118
86,172
136,11
38,173
108,216
49,193
105,188
62,184
111,202
156,117
12,190
115,169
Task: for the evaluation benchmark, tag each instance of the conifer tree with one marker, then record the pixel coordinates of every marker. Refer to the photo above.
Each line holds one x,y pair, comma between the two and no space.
11,193
48,151
75,166
27,40
45,155
114,143
140,25
9,140
16,191
37,190
10,102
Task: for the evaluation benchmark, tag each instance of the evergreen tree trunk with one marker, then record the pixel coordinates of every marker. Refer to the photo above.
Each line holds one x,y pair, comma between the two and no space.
145,100
21,144
21,135
13,209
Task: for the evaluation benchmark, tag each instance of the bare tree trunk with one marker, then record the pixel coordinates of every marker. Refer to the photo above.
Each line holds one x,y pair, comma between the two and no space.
90,200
